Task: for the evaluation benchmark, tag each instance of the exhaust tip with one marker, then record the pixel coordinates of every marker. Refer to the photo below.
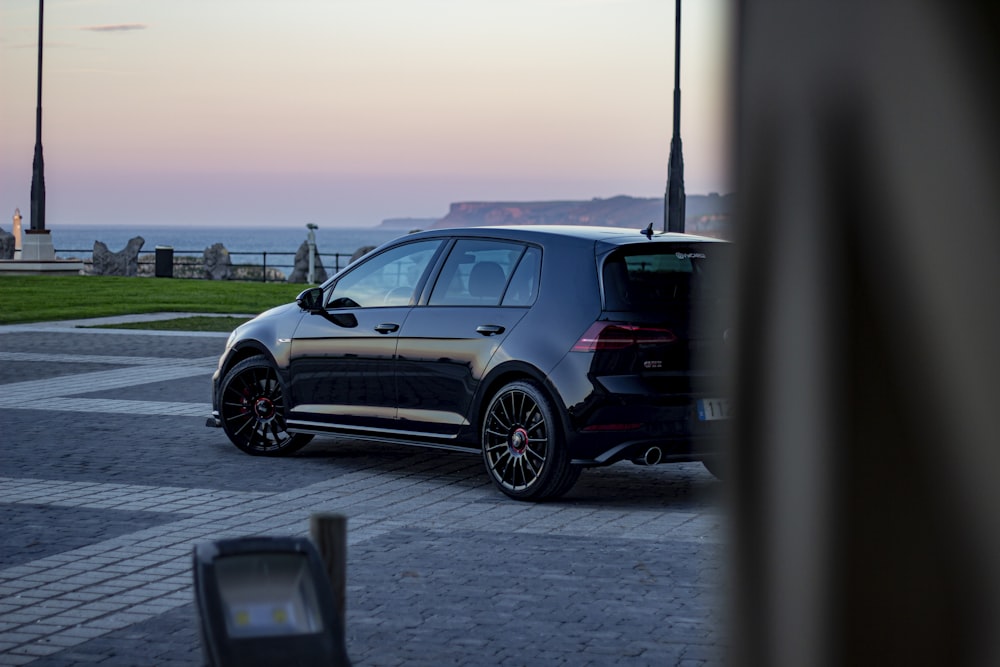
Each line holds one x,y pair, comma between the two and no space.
651,457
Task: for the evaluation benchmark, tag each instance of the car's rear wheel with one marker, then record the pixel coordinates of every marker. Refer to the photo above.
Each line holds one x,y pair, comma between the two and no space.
523,445
714,465
252,408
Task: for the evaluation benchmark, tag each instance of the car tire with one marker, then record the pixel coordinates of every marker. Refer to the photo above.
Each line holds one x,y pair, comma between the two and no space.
523,446
252,410
714,465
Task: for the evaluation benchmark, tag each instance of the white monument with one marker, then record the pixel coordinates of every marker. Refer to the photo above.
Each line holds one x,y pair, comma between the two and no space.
17,233
34,254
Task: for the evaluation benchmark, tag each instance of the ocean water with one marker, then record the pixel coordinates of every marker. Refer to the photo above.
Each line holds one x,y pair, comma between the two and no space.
78,240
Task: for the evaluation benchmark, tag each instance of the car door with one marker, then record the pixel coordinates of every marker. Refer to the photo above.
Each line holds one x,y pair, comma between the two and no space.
446,344
342,359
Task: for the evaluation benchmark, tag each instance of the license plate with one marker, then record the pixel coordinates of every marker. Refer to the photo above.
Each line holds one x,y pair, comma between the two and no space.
711,409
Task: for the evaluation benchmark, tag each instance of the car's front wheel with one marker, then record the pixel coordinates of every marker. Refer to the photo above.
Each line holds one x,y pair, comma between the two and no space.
523,445
252,408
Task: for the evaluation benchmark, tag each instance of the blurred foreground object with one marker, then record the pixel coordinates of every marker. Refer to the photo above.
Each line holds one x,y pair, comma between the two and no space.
867,458
266,601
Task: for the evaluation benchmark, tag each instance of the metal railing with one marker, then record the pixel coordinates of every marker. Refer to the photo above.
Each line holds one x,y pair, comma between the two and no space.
191,262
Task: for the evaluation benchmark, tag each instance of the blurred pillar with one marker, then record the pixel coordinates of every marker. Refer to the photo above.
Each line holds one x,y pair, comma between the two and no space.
865,493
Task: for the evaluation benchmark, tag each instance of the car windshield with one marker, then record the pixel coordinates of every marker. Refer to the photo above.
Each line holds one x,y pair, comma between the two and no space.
652,277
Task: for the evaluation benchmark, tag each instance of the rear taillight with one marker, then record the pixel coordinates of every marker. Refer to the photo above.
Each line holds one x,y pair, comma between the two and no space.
618,336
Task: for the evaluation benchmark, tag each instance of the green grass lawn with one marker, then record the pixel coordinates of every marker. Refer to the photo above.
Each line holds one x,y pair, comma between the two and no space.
48,298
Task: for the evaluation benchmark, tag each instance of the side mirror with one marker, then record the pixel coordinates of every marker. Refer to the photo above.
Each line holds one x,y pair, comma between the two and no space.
311,299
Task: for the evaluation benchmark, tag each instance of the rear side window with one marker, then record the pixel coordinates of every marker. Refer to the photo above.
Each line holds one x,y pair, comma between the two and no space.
523,286
476,273
652,277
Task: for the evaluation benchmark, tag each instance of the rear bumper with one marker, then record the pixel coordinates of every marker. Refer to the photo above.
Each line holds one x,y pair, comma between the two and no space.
618,417
587,451
666,451
625,428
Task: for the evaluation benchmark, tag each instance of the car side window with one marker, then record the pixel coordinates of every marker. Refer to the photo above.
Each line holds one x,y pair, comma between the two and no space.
523,286
476,273
387,279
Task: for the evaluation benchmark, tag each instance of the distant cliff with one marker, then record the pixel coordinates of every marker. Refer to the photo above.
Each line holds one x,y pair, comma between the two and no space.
705,214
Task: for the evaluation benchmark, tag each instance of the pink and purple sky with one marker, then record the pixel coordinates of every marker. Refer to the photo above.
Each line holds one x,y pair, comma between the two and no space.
347,112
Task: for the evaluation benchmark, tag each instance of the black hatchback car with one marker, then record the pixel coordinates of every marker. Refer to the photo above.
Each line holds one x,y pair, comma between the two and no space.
544,349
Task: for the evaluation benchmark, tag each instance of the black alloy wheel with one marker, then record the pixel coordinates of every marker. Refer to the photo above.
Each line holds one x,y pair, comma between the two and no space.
252,409
523,446
714,465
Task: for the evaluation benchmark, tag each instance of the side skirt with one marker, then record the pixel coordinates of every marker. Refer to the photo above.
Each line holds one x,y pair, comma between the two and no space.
378,436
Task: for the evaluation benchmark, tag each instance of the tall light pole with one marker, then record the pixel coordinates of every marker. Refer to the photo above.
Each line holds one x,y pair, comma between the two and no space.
37,253
673,209
38,164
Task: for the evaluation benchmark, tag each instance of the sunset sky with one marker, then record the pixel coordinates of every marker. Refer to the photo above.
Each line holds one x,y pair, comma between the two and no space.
347,112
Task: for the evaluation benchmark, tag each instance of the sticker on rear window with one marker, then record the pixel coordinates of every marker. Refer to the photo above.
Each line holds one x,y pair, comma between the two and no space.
690,255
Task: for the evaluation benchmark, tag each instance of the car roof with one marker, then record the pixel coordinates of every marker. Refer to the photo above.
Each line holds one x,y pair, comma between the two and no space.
541,233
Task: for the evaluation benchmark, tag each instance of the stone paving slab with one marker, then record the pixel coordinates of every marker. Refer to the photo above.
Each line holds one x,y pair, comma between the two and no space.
113,490
28,528
182,390
16,369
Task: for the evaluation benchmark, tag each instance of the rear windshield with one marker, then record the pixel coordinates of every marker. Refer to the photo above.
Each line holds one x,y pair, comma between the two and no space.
656,276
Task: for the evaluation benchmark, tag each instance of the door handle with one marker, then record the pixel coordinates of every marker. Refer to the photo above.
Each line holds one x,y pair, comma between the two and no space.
489,329
386,327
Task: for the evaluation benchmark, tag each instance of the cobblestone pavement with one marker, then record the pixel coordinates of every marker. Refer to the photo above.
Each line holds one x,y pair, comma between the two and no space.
108,477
